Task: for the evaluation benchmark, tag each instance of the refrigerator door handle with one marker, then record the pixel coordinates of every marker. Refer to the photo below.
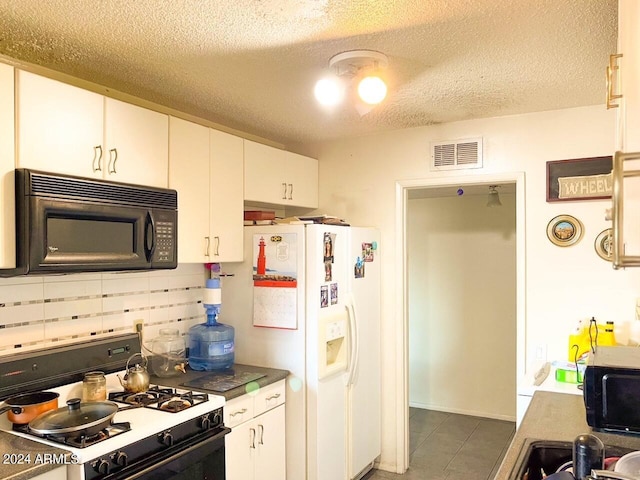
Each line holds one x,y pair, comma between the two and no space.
355,344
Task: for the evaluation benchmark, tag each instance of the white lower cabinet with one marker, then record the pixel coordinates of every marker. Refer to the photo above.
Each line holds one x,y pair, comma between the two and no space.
255,448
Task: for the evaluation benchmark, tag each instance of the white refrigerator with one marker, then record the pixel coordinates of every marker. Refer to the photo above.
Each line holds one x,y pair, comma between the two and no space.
307,299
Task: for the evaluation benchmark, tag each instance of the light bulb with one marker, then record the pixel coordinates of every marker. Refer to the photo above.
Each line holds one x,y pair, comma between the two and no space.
372,90
328,91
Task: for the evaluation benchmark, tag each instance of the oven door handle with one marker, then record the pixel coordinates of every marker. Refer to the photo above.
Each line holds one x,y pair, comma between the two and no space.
158,460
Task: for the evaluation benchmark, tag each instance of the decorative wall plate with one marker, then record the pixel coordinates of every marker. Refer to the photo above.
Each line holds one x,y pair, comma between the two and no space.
564,230
604,244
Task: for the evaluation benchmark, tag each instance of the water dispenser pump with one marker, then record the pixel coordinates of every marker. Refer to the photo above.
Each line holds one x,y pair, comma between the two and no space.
211,344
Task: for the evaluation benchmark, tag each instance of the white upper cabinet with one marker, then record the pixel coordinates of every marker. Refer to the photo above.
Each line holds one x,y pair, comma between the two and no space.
303,175
278,177
627,81
206,168
226,197
137,141
7,162
65,129
189,176
60,127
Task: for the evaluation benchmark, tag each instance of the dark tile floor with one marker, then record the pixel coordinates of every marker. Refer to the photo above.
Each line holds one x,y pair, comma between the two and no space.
447,446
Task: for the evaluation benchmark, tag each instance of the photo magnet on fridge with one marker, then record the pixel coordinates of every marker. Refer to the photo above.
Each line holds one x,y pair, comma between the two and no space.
324,296
367,252
358,268
327,272
329,240
334,293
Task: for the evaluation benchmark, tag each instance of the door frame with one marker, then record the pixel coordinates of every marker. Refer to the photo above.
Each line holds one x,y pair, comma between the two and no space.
402,333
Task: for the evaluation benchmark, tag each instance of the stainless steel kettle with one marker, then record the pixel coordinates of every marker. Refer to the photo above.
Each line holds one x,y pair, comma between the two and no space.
136,379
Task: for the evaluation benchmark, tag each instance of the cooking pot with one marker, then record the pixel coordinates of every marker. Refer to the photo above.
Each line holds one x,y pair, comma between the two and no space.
76,418
136,379
27,406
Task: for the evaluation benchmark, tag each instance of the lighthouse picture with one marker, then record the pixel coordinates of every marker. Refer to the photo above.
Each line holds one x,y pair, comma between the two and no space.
275,280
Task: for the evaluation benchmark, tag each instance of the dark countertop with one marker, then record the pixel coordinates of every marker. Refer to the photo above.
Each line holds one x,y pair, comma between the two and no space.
556,416
21,458
272,375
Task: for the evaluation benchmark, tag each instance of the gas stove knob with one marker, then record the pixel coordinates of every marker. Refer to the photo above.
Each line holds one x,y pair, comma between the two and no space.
166,439
205,422
102,467
217,419
120,458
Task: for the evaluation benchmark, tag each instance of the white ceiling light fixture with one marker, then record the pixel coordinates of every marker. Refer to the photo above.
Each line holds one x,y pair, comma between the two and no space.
363,66
493,200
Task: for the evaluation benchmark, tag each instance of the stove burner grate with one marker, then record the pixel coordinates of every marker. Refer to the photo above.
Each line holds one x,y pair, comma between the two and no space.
166,399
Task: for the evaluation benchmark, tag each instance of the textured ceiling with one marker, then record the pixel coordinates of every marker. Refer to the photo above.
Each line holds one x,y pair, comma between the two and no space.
251,64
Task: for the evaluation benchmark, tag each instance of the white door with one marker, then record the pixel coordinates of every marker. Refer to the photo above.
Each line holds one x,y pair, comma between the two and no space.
364,392
137,143
226,197
59,127
189,176
239,447
270,461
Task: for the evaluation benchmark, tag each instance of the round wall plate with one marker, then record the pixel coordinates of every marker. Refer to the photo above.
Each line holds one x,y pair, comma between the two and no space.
564,230
604,244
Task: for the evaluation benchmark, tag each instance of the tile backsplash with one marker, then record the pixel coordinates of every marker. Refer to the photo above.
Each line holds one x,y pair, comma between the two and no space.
36,312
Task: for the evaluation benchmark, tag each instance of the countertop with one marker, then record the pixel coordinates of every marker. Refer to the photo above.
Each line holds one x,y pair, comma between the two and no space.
271,375
21,458
556,416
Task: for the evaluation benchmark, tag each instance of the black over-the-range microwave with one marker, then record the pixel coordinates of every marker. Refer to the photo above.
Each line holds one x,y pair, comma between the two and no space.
68,224
612,389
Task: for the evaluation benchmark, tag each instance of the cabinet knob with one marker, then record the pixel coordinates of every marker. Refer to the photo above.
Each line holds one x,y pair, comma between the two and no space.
284,191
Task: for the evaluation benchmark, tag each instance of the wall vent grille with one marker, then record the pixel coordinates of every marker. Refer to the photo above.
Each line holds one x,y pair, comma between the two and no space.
456,155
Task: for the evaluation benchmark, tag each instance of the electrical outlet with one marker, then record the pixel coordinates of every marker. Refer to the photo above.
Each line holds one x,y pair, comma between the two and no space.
541,352
137,325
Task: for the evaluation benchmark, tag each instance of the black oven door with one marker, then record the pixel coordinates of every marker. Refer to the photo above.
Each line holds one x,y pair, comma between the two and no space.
201,458
68,236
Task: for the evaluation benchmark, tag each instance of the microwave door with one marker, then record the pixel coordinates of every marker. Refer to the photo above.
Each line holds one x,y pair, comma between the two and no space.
92,237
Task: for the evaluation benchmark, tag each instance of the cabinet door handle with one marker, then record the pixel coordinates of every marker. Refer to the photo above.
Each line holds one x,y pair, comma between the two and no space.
261,430
291,191
273,397
284,191
216,250
612,68
207,243
252,437
113,158
97,158
239,412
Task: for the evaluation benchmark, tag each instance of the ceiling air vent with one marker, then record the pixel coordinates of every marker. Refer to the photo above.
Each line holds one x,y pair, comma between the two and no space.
456,155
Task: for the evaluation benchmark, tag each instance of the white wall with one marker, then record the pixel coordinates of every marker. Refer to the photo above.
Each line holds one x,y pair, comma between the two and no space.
358,182
462,305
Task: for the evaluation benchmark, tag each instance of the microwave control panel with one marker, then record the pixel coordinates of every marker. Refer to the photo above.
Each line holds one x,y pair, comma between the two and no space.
165,233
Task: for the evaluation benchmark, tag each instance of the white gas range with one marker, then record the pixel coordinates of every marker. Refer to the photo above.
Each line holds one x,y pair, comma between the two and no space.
142,440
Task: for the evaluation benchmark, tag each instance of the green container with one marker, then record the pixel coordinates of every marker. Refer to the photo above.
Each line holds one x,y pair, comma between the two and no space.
568,376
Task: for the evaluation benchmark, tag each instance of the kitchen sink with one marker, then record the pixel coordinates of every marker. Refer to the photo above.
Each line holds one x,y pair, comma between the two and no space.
543,457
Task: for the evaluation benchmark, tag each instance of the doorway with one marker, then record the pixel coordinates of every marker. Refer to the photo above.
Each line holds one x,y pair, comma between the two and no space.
416,196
